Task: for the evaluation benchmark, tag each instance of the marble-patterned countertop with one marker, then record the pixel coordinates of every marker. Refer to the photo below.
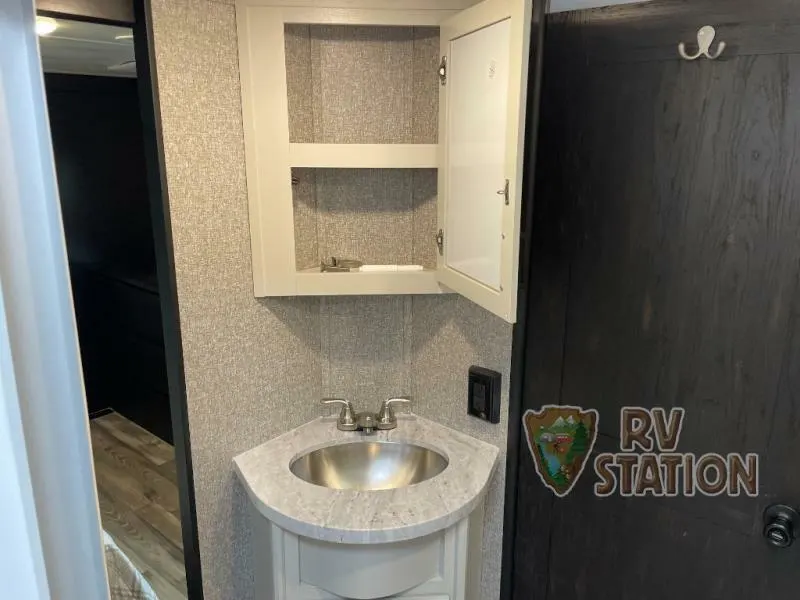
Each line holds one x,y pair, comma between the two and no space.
367,517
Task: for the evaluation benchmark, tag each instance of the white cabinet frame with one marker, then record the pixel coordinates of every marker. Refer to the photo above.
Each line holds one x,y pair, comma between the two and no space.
270,155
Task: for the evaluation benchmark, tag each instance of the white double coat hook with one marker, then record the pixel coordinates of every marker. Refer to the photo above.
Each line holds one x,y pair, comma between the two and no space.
705,37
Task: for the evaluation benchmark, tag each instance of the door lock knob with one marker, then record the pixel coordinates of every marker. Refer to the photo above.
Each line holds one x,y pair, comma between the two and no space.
781,525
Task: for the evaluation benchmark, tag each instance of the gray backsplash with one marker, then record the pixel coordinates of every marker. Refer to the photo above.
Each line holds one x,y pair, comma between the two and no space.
366,353
256,368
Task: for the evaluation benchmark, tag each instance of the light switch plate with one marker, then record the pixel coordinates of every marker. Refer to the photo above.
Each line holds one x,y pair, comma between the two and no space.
483,394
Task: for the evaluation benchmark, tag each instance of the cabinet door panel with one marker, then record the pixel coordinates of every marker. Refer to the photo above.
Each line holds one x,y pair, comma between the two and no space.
482,132
478,71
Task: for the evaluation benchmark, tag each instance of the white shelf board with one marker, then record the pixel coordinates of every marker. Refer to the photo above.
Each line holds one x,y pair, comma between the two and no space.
311,282
364,156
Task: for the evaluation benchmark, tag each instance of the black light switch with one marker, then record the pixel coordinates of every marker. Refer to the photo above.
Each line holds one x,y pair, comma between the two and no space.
483,397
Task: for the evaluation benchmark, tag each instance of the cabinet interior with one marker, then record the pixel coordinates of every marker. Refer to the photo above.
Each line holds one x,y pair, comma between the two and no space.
363,85
377,216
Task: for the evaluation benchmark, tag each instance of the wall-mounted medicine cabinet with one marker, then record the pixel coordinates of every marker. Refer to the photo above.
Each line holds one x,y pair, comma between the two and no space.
387,132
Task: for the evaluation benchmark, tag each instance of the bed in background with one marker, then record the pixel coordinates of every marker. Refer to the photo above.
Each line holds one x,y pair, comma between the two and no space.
125,582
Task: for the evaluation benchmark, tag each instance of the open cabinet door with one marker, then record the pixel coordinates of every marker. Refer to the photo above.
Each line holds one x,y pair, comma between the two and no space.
481,135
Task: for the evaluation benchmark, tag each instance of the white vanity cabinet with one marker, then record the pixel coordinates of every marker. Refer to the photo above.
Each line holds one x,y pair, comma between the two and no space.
389,132
419,541
445,565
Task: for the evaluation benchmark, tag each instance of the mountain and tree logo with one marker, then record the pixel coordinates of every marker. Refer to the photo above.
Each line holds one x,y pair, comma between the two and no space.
560,439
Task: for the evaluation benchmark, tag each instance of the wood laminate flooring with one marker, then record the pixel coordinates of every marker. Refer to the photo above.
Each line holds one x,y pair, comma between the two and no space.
138,494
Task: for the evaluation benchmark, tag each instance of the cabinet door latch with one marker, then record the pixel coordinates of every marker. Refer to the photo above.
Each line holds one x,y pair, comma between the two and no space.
440,241
504,192
443,71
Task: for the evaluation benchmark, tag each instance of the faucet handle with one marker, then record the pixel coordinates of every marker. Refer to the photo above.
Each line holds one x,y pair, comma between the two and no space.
347,416
386,416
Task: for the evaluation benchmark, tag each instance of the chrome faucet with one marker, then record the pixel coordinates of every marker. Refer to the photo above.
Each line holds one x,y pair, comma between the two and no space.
347,417
367,422
386,417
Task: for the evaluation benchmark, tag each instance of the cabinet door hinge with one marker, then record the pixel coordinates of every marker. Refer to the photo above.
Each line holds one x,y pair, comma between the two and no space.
440,241
443,71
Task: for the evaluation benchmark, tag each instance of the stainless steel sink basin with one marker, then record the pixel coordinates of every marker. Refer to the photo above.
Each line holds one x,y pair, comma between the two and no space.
369,465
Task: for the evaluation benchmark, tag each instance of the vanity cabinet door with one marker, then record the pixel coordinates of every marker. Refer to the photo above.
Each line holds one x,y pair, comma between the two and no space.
484,74
445,565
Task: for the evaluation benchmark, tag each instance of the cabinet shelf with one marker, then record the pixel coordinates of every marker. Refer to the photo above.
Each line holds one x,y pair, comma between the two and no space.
312,282
364,156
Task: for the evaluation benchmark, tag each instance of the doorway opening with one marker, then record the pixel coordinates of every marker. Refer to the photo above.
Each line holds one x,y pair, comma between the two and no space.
100,148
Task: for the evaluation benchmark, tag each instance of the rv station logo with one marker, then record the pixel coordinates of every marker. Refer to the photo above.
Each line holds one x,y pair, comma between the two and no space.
561,439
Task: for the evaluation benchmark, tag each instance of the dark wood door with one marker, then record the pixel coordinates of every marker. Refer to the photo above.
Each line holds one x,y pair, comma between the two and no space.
664,272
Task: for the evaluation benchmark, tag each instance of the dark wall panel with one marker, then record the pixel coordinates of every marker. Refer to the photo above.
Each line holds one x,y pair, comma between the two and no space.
100,163
97,141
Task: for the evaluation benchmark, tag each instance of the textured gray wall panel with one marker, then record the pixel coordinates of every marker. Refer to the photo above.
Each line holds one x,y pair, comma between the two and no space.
306,239
366,354
362,75
425,89
300,93
252,367
362,85
450,333
379,216
365,214
426,218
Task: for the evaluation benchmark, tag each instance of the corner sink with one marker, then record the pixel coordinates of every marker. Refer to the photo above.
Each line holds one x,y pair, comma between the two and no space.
368,465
